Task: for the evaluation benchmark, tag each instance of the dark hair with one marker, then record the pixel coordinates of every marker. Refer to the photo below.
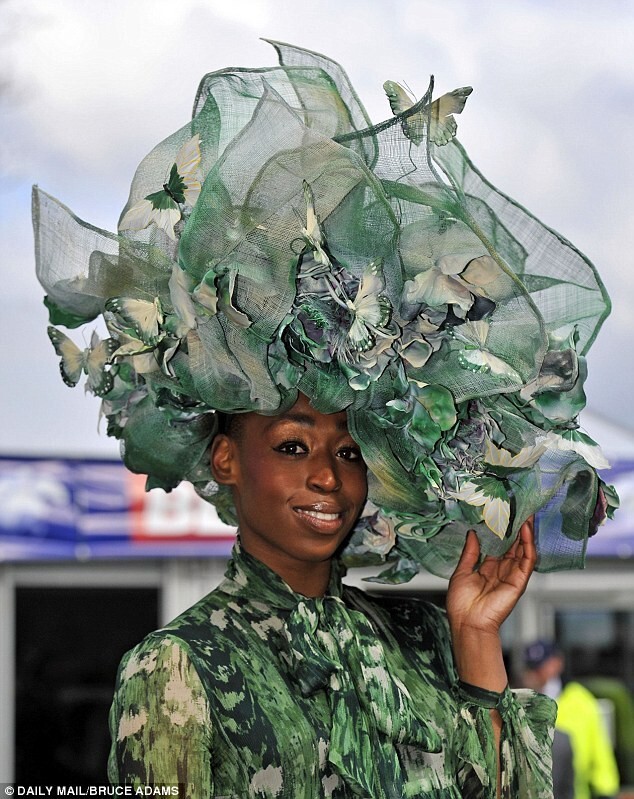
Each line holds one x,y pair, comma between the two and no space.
230,424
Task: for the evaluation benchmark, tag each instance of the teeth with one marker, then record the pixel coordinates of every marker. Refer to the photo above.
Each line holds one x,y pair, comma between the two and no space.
315,514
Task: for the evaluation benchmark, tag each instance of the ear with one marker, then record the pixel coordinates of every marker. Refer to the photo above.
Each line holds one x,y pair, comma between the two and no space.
224,460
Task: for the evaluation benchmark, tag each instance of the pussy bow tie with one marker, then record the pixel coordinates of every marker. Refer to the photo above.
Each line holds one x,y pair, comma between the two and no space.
334,648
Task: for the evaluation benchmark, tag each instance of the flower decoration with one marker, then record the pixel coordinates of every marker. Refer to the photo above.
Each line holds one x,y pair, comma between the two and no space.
280,243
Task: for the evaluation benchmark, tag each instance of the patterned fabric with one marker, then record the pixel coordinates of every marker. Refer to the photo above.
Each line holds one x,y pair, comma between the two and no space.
257,691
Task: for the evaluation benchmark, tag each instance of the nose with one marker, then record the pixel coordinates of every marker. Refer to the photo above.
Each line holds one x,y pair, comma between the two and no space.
323,474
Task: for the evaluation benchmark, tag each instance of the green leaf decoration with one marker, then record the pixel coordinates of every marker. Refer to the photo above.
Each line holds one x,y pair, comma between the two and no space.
502,460
581,496
438,401
58,316
423,428
581,444
490,494
398,573
497,514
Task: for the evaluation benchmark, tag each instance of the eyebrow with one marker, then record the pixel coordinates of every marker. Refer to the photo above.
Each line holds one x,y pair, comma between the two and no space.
304,419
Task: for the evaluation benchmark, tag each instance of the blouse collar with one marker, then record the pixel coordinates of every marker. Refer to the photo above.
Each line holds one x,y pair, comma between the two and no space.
325,645
246,572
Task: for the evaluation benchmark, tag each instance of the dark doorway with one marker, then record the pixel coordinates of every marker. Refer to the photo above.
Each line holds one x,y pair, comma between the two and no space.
68,645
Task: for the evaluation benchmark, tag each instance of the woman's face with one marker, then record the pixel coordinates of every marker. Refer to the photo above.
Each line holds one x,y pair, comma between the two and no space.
299,484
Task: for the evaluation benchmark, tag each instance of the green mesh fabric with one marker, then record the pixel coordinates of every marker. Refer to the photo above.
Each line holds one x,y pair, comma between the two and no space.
279,243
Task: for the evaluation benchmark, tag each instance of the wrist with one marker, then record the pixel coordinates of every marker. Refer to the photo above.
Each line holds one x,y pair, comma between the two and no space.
479,627
481,697
479,659
465,635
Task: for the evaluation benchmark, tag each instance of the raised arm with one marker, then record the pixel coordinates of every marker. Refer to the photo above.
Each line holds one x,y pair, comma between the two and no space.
479,599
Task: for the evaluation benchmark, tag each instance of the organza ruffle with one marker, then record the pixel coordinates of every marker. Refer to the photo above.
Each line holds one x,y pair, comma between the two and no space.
296,248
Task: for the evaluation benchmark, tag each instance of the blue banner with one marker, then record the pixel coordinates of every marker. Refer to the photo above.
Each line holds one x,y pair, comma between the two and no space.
69,508
83,509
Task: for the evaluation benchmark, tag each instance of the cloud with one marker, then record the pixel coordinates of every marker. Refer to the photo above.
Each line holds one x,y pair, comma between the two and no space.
96,85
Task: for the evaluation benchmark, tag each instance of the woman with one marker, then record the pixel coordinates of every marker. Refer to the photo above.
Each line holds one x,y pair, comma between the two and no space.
283,683
373,317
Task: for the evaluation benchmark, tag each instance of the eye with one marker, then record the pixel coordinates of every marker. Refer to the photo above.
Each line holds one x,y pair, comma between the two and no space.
350,453
291,448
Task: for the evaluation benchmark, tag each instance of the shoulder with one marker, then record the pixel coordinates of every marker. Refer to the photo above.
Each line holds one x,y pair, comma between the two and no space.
175,647
219,637
157,658
157,678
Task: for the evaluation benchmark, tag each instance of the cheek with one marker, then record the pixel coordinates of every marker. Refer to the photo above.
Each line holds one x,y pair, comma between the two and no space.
358,487
265,479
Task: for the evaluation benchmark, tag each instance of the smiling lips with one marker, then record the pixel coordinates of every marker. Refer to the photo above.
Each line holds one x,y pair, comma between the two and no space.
321,518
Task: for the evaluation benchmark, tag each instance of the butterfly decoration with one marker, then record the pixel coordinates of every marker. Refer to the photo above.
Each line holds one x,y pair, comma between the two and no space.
475,356
92,361
442,125
370,309
144,333
314,236
163,207
140,319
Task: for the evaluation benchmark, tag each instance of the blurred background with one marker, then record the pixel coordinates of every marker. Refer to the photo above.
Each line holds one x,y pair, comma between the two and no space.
88,563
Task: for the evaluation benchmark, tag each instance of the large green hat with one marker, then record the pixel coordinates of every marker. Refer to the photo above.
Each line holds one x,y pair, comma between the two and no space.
279,243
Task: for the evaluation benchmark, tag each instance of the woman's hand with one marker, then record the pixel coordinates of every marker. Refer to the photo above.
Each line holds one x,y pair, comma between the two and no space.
481,599
478,601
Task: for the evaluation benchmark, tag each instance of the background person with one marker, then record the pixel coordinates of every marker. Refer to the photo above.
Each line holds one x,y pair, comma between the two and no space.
563,767
579,716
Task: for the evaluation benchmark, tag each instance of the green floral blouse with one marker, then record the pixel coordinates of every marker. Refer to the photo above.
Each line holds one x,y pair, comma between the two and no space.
257,691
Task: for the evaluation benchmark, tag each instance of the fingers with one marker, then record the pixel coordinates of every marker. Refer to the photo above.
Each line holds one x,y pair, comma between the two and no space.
519,559
470,555
522,551
526,540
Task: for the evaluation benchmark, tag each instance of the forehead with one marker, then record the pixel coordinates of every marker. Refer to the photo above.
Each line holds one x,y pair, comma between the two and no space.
302,414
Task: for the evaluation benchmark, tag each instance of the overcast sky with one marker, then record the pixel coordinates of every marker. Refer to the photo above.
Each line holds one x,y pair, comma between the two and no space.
88,88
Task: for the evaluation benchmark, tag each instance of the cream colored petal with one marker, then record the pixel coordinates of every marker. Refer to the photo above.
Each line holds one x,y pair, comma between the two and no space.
497,513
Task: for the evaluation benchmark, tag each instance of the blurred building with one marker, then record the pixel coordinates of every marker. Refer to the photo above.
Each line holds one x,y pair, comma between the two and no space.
89,563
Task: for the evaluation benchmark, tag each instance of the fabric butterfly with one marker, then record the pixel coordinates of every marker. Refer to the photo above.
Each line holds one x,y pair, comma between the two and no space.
442,125
371,310
313,234
140,317
163,208
91,360
475,355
